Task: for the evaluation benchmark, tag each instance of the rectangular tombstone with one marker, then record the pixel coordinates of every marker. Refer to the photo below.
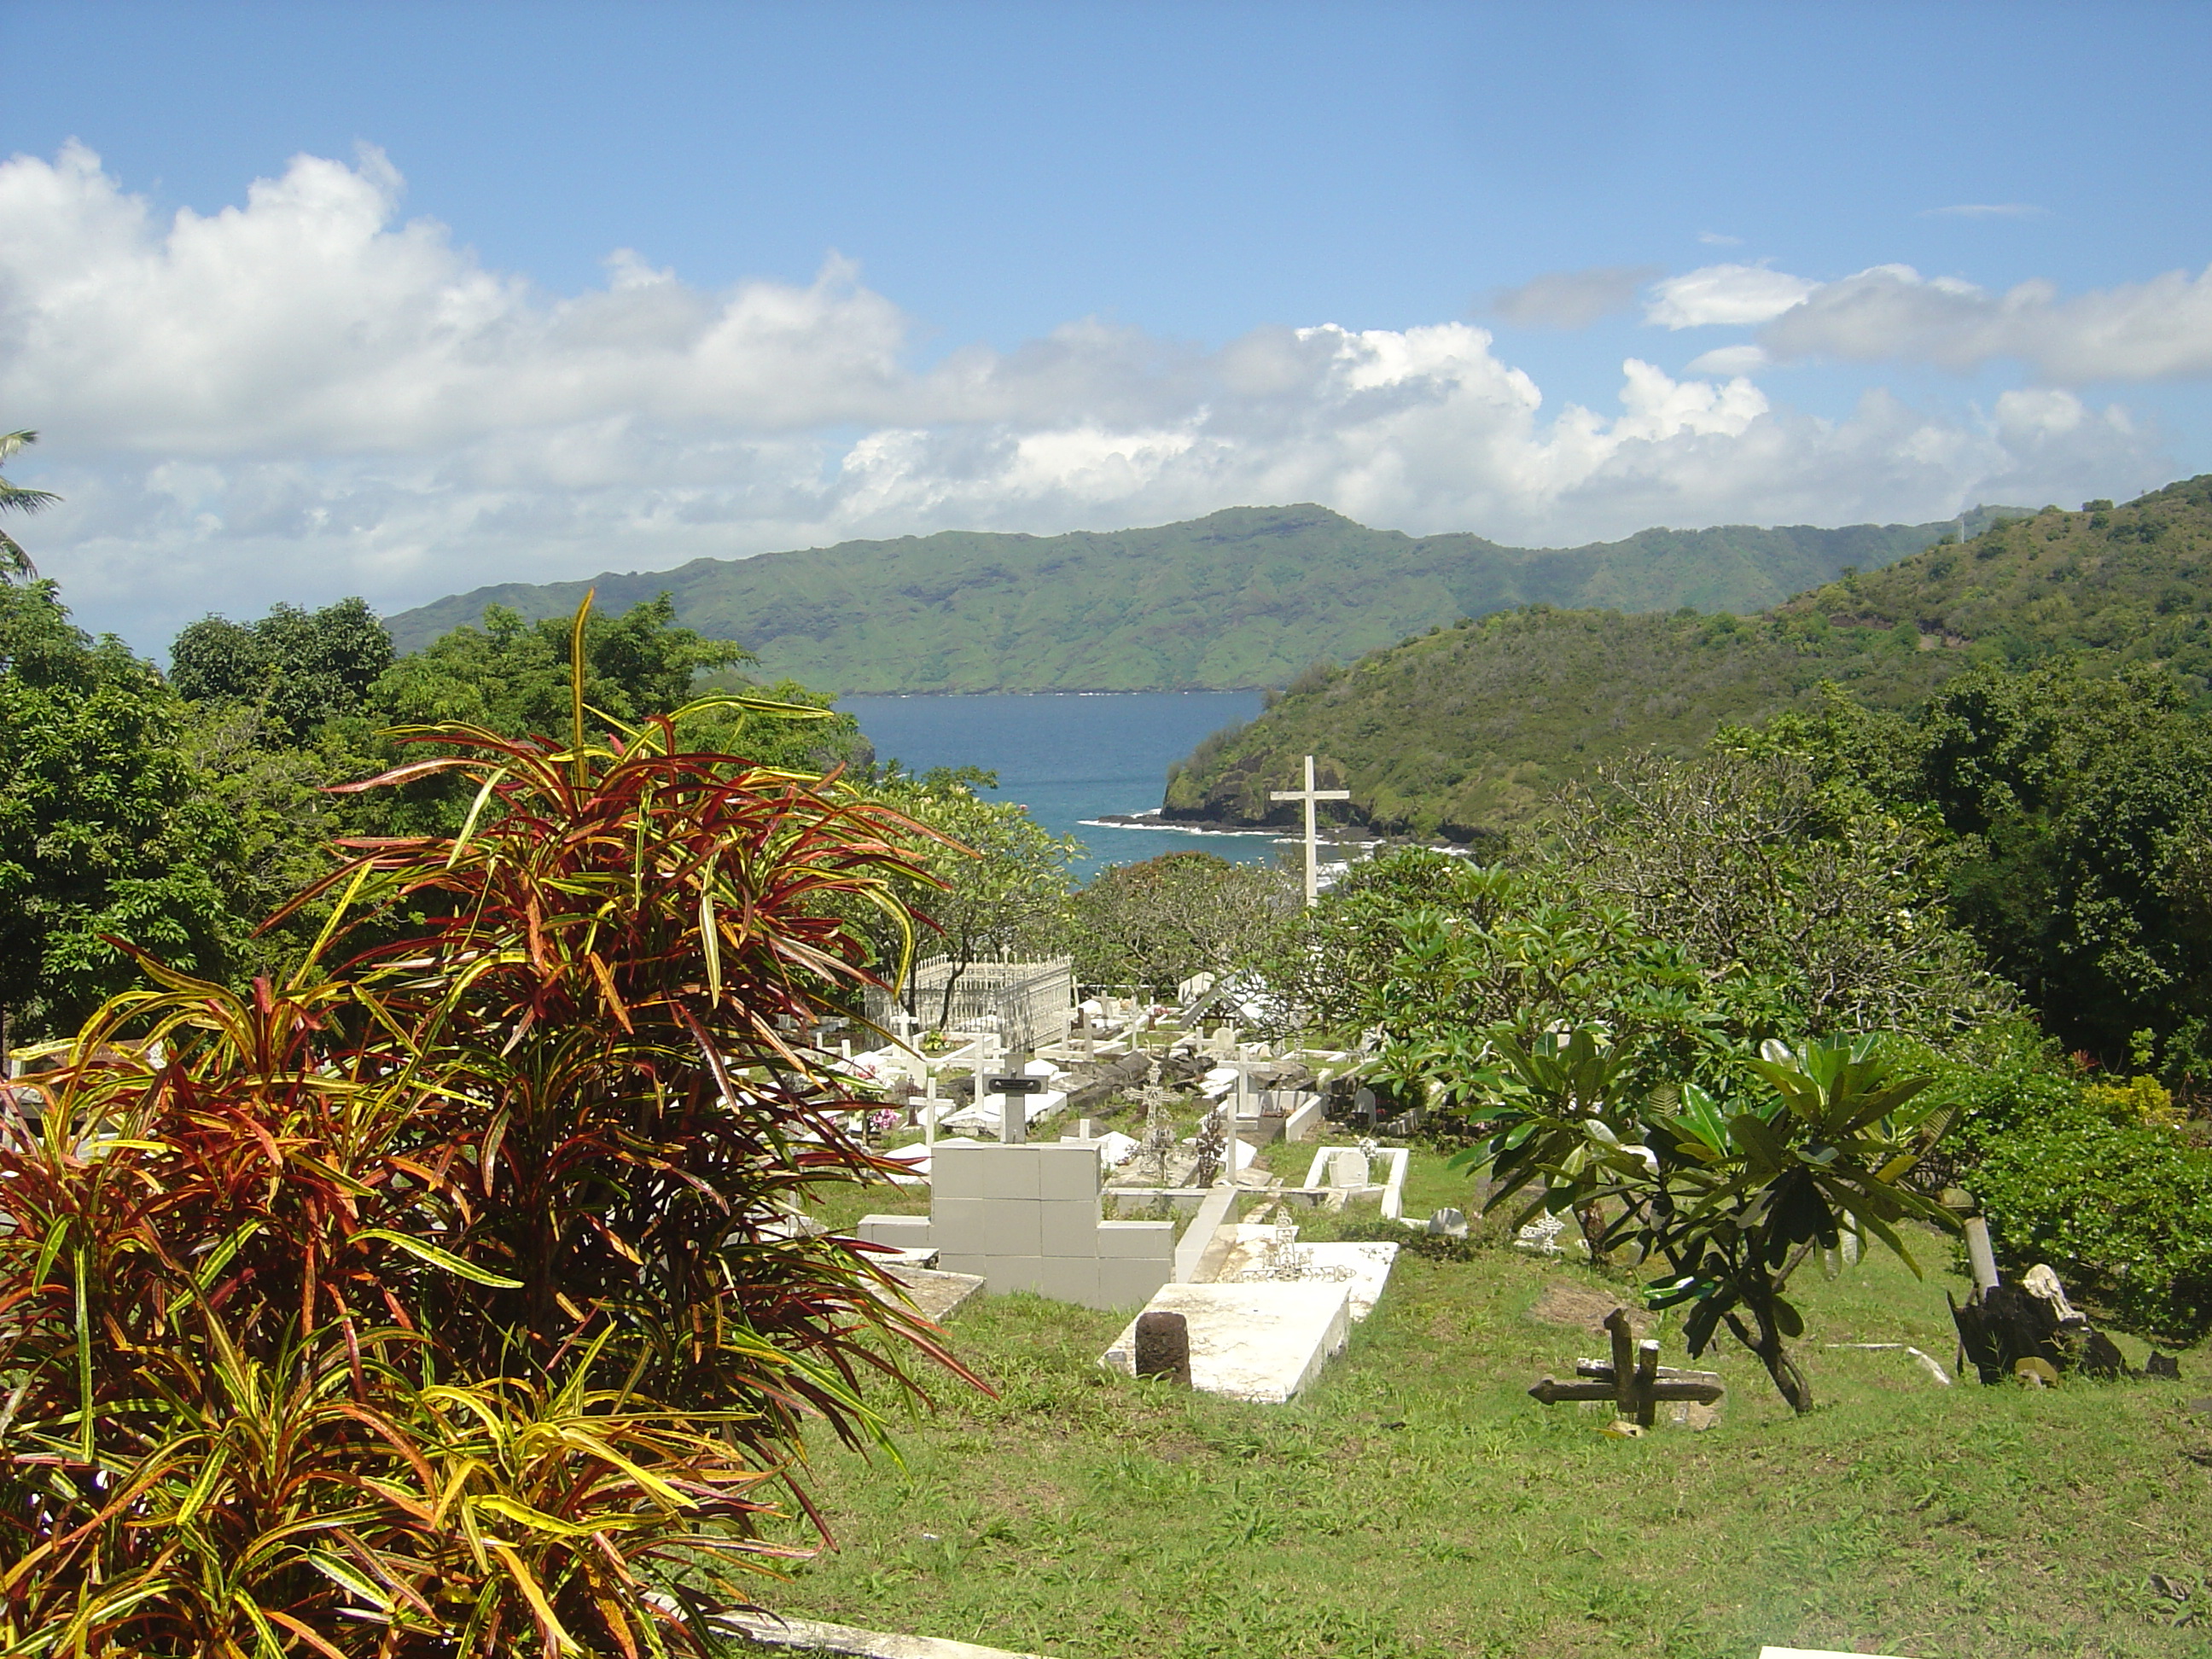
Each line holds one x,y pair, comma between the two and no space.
1163,1346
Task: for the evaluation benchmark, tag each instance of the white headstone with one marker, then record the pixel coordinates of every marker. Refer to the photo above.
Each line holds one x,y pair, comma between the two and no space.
1348,1167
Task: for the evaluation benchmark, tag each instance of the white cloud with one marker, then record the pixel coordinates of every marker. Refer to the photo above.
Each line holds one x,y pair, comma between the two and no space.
1714,239
1571,299
1741,295
306,396
1731,360
2158,329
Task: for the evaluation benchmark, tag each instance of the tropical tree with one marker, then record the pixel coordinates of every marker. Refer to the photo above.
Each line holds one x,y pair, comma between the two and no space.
103,829
1159,923
13,498
303,668
512,676
1731,1193
994,883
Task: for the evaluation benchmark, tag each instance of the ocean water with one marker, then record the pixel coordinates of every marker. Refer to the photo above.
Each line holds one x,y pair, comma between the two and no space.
1069,756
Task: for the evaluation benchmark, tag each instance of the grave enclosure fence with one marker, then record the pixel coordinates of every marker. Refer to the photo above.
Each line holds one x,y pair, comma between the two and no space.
1025,1004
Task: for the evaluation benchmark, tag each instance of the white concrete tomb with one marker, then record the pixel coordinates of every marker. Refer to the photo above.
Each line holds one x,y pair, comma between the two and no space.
1025,1217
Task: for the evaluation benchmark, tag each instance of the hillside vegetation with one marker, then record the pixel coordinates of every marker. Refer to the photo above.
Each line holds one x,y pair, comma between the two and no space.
1244,598
1465,731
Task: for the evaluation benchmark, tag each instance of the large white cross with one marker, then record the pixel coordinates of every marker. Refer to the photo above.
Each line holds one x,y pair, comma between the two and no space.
1309,795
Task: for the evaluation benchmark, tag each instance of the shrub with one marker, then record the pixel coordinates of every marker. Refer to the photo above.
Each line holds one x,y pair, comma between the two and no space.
2121,1207
442,1298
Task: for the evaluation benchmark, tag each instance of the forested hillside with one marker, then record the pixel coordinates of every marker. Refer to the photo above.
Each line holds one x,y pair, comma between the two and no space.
1467,730
1244,598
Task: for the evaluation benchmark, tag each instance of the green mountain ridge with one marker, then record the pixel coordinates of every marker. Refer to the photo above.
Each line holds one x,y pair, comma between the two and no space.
1466,732
1242,598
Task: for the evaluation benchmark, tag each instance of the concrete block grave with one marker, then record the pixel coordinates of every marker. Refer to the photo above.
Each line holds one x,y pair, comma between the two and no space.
1025,1217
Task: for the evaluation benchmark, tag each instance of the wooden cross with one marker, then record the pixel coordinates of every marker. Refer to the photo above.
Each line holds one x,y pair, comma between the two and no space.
1309,795
1633,1378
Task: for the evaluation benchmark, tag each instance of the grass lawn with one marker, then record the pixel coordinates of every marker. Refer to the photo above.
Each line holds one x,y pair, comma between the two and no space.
1417,1501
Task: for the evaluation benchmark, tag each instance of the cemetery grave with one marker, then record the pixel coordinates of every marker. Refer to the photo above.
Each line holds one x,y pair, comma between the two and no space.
1085,1513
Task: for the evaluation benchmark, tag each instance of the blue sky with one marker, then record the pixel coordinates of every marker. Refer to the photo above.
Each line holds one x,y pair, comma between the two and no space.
528,292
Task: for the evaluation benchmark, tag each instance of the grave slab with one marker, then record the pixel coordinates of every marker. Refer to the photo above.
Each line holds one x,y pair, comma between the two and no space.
1362,1268
1261,1343
938,1295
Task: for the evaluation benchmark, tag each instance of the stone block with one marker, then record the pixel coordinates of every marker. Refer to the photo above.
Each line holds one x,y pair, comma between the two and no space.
957,1169
1009,1274
1070,1279
1126,1282
957,1224
976,1263
1067,1170
1067,1226
1136,1241
1305,1121
1011,1172
1011,1227
904,1233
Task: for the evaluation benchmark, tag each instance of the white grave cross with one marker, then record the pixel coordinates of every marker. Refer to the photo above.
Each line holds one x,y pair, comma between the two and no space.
1309,795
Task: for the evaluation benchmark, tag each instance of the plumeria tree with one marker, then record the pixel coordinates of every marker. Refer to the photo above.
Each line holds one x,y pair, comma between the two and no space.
1728,1195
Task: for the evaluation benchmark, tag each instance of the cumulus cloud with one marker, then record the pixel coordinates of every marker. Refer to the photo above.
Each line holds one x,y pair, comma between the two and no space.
1571,299
2158,329
1740,296
306,396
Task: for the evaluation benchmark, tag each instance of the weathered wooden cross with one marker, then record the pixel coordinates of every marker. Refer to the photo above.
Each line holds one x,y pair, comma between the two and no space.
1309,795
1633,1378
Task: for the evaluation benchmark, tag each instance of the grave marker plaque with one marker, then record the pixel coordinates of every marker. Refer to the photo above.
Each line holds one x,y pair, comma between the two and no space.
1164,1347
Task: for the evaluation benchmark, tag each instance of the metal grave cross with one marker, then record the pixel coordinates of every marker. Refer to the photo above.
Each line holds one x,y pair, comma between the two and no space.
1309,795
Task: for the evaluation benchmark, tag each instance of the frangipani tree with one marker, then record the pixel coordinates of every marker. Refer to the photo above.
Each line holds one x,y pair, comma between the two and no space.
1729,1195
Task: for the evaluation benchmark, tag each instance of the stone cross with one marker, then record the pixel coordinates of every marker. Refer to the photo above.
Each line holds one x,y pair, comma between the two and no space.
1309,795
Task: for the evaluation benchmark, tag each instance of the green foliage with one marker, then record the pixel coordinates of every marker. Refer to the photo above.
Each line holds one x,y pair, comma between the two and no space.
303,668
1469,732
2122,1208
2073,805
1730,1194
512,677
439,1298
990,881
102,828
1162,921
1242,598
1800,889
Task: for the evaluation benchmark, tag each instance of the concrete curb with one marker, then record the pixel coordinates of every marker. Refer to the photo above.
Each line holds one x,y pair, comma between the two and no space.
774,1631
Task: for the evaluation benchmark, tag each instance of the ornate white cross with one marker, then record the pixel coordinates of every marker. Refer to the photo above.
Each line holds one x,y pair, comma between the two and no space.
1309,795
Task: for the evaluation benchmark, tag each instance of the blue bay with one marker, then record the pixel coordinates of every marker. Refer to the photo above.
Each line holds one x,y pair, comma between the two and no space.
1069,756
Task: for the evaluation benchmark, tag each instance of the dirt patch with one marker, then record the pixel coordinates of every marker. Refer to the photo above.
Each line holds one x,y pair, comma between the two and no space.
1578,1305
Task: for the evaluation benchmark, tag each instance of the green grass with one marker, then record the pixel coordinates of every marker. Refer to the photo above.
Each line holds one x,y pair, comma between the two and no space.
1419,1503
